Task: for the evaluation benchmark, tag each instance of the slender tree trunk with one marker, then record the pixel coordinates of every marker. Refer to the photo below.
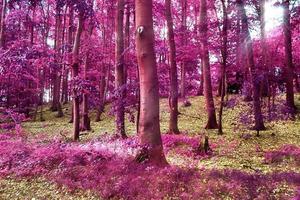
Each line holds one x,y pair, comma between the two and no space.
102,87
70,57
75,73
297,83
238,49
210,107
2,25
64,74
42,85
56,105
86,122
104,78
183,64
224,34
265,83
201,86
69,43
138,97
120,78
242,60
173,98
197,16
32,27
86,125
259,122
127,41
149,128
289,69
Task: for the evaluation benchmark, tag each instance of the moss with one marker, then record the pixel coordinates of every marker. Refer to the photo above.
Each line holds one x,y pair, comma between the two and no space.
34,189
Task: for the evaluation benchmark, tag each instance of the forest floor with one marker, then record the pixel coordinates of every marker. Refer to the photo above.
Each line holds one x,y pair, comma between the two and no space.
265,167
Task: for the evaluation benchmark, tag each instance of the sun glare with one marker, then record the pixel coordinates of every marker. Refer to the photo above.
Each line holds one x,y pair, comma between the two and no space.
273,16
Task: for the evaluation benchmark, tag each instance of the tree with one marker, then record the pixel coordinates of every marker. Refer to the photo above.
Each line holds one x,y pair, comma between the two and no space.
120,82
289,68
247,44
149,128
75,73
173,97
241,54
265,89
2,25
210,107
183,64
56,78
224,36
86,122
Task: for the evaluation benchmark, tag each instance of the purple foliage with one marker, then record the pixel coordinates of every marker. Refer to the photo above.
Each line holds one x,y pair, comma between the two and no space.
106,166
11,120
280,111
286,151
231,103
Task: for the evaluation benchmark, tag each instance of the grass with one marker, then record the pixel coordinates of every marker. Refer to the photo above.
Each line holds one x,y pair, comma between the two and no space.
231,149
39,188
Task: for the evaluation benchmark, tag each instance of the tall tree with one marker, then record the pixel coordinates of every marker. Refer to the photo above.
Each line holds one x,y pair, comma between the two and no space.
184,40
56,78
242,60
70,39
265,84
289,67
224,54
75,73
173,97
2,25
247,44
86,122
210,106
149,128
119,71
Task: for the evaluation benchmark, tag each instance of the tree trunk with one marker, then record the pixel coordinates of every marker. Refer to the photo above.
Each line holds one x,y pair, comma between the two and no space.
224,35
56,105
265,84
69,42
102,87
127,41
183,64
86,122
259,122
32,25
242,61
173,98
120,78
149,128
2,25
75,73
65,51
289,69
297,83
210,107
265,89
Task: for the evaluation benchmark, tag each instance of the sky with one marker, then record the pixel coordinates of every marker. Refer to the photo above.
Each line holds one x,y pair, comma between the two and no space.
273,16
273,19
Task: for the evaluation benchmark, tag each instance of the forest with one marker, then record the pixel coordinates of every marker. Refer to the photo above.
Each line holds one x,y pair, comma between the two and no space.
150,99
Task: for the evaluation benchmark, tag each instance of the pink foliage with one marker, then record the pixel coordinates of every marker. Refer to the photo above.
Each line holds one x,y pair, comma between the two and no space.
99,165
285,152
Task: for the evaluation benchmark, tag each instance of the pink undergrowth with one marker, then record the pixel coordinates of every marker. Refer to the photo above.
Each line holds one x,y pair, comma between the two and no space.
285,152
107,167
11,120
